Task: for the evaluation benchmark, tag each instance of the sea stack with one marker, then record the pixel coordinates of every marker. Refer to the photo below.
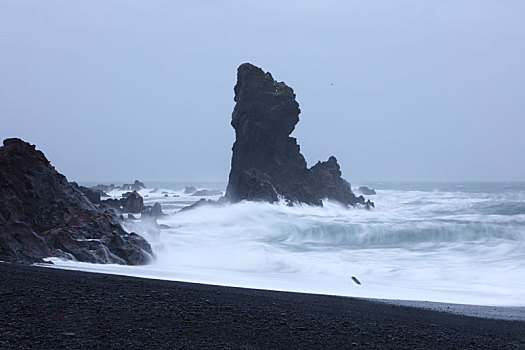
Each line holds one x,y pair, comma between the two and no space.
267,163
43,215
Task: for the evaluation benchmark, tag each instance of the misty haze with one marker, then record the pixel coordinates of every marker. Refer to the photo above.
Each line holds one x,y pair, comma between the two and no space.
299,150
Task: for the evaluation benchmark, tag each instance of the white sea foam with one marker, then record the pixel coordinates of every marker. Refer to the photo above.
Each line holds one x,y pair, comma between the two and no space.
449,245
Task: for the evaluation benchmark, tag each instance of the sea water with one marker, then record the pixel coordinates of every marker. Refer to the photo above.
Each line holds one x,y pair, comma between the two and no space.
446,242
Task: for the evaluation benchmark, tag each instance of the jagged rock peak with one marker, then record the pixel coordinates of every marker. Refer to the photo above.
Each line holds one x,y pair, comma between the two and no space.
43,215
266,161
254,91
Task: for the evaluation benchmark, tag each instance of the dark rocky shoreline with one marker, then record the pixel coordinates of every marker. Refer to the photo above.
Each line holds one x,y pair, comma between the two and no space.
51,308
43,215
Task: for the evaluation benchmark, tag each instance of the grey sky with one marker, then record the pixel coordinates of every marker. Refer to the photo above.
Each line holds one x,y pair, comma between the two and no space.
396,90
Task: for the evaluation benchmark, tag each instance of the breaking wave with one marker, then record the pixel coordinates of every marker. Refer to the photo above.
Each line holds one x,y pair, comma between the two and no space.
459,243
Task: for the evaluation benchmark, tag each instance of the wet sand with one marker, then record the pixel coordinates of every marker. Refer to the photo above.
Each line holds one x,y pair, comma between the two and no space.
51,308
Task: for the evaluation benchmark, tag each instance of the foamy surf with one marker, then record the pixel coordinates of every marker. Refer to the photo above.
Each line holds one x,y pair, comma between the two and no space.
459,243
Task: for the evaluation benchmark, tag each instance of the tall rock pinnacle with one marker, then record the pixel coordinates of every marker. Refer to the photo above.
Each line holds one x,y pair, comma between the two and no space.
266,162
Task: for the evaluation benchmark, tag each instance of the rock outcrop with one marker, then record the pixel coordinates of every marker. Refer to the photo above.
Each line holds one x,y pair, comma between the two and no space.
267,163
153,211
200,203
43,215
135,186
91,194
132,202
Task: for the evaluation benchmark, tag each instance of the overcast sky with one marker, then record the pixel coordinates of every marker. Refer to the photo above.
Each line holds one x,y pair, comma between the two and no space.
396,90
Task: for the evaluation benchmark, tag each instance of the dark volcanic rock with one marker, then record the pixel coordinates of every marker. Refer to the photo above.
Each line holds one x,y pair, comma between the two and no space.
256,185
92,195
43,215
207,193
154,211
328,183
266,161
135,186
101,193
201,202
131,203
366,191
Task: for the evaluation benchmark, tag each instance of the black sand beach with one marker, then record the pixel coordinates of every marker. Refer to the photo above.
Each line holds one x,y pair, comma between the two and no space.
43,308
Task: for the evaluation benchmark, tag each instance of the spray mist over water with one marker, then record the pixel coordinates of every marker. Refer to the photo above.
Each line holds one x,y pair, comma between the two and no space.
460,243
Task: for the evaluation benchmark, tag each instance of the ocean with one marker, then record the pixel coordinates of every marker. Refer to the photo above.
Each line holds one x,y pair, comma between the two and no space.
444,242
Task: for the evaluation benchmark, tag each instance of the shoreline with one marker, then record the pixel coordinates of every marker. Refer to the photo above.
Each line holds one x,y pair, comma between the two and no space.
54,308
508,313
497,312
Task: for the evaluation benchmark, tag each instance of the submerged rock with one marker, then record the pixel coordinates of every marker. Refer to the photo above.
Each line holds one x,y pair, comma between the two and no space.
266,162
43,215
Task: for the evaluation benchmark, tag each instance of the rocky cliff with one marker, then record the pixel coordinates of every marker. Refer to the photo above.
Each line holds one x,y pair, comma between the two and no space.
43,215
267,162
